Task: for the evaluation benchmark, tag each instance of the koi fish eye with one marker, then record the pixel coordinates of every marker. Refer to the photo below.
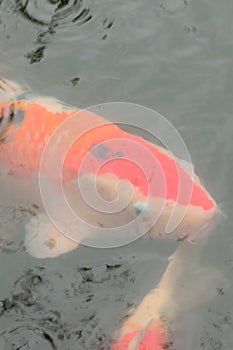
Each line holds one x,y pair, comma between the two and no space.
9,116
5,122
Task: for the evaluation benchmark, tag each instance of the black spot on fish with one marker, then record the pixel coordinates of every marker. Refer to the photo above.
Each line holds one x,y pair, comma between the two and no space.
119,154
100,151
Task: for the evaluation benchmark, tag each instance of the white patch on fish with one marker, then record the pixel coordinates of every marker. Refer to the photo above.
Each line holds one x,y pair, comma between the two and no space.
43,240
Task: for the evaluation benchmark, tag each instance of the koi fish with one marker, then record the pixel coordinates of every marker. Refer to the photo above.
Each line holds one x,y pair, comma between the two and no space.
28,122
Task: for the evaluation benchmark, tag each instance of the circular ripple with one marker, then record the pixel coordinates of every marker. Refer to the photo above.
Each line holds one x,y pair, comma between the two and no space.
54,13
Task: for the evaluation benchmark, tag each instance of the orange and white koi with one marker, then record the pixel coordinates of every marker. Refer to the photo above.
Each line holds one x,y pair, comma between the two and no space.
26,124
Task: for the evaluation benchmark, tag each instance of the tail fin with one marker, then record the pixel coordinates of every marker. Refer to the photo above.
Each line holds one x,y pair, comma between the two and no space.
183,286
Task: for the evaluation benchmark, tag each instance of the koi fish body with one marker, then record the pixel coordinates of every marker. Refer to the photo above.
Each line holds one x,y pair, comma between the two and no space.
28,122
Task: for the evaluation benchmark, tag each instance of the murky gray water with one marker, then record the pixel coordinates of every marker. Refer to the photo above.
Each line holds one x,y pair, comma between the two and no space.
173,56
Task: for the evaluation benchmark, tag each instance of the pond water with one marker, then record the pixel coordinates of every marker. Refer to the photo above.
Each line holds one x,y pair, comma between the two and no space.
174,56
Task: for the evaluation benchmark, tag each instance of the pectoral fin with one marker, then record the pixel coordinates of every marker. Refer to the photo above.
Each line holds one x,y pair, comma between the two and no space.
44,240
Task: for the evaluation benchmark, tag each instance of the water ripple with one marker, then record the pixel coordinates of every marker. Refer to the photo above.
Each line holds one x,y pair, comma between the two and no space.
54,13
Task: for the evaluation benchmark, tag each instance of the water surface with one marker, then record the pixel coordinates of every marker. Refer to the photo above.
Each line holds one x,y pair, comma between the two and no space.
172,56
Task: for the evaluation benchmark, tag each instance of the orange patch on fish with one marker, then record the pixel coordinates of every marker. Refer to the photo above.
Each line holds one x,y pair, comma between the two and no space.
153,338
